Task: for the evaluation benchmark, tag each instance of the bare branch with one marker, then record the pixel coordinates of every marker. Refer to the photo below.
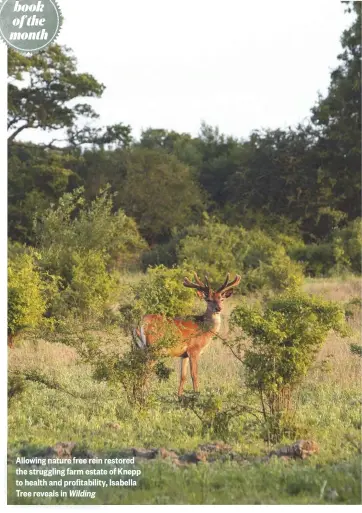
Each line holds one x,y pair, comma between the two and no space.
17,131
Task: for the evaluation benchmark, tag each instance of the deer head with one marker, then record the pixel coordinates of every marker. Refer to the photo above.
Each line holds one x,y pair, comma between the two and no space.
214,299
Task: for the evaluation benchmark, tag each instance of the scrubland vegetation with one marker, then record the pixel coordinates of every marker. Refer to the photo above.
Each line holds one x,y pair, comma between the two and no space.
102,230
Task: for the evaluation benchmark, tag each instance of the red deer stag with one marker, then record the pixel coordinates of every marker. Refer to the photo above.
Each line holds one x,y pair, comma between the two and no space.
193,335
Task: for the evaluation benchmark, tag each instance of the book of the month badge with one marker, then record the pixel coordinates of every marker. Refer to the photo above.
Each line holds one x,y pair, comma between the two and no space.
29,26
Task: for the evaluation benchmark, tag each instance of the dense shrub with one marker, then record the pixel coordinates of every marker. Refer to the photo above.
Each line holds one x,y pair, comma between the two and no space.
90,290
215,249
162,292
340,254
317,259
278,273
75,226
285,336
211,249
161,254
350,241
85,245
160,192
26,292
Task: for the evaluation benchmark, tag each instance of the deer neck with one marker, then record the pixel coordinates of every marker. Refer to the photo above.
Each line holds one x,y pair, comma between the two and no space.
212,321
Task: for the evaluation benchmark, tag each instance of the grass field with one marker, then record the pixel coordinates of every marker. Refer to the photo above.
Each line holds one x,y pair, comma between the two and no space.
99,419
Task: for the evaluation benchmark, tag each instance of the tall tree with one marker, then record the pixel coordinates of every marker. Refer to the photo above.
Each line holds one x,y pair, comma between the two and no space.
37,177
310,175
220,158
42,87
275,179
160,193
337,118
183,145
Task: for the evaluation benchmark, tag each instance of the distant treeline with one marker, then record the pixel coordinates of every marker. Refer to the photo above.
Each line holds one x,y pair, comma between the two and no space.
302,182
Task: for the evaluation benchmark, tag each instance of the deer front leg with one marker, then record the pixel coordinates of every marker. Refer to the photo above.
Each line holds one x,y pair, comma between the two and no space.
194,359
184,362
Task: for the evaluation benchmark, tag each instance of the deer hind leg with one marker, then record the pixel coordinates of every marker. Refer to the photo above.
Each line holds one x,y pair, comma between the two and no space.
184,362
194,359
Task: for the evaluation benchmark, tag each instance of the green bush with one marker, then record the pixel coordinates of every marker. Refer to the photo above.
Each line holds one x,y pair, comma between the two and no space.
211,248
278,273
286,335
289,242
162,292
161,254
216,249
356,349
267,265
318,259
350,238
85,245
75,226
341,254
113,359
159,192
26,293
91,289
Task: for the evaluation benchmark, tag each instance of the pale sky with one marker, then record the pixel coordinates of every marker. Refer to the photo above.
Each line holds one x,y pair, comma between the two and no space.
237,64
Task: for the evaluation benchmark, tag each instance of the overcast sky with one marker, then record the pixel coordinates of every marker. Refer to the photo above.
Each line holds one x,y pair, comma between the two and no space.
238,64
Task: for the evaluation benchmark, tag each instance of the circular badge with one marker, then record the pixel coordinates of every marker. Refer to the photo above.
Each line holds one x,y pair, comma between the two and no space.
29,26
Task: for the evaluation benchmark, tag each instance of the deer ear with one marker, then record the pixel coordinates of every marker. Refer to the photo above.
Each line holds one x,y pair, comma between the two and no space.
228,293
200,294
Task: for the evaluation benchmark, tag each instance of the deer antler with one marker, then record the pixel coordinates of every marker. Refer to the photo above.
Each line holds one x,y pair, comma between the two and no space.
229,285
198,285
207,282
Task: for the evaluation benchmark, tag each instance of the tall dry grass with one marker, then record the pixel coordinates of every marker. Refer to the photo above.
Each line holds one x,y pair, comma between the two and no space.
335,362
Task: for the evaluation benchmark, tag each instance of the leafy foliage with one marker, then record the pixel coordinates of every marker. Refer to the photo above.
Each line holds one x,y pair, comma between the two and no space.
37,178
159,192
215,412
349,239
133,370
216,249
26,292
337,118
51,83
85,245
75,224
89,290
342,253
162,292
211,248
285,337
303,182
